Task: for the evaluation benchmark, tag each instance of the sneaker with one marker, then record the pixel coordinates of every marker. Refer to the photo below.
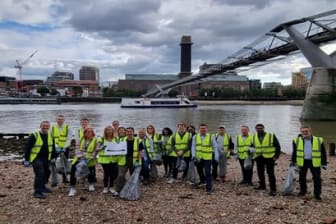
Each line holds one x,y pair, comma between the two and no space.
301,193
318,197
39,195
112,190
72,192
272,193
209,192
115,194
106,190
242,182
91,187
260,188
171,181
46,190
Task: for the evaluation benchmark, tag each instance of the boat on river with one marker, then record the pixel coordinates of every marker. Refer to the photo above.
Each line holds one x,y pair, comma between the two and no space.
178,102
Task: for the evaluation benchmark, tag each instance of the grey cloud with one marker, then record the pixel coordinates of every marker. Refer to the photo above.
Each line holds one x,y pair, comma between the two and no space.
117,16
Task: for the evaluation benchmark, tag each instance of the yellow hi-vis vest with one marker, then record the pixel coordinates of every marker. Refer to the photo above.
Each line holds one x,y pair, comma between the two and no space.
38,144
225,143
167,147
80,133
265,148
156,140
316,151
102,158
60,137
182,143
243,146
147,147
204,148
89,150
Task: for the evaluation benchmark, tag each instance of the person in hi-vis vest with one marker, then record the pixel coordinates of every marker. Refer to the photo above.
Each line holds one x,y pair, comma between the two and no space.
309,153
267,150
40,150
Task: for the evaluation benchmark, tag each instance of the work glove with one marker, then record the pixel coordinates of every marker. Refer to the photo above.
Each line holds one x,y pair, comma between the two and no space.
26,163
196,160
137,164
53,160
59,149
292,164
325,167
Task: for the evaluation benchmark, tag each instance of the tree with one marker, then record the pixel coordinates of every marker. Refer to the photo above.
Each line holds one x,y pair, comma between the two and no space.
54,92
42,90
78,91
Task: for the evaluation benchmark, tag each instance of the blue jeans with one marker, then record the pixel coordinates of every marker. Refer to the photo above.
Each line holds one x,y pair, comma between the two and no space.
41,172
207,170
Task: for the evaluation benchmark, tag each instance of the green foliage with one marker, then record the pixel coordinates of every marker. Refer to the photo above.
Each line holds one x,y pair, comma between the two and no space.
173,93
78,90
248,94
42,90
53,92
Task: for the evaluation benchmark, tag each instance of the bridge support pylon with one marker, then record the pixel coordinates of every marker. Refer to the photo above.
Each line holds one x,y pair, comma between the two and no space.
320,100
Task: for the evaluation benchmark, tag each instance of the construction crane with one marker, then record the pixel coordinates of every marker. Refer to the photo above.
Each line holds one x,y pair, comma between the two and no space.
19,65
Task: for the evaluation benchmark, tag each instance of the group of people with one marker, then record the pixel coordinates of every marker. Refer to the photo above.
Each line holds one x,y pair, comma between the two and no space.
147,147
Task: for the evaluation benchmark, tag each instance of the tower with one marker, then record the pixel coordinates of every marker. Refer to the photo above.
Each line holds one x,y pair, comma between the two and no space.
185,69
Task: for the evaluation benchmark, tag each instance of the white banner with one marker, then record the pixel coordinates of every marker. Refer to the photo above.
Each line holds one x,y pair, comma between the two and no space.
114,149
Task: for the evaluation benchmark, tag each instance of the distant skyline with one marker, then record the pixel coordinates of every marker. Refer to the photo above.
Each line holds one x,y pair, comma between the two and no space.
142,36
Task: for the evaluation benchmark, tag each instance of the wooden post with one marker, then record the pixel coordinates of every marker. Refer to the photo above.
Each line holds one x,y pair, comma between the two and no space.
332,147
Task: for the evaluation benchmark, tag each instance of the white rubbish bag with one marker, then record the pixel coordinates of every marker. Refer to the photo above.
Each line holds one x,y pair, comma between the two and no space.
289,185
131,190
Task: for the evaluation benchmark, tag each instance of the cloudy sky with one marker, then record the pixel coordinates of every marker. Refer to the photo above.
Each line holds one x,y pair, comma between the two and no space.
141,36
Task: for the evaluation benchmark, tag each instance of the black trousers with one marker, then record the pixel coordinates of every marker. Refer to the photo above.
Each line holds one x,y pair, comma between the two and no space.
42,173
91,177
316,173
247,174
214,169
165,159
110,173
263,163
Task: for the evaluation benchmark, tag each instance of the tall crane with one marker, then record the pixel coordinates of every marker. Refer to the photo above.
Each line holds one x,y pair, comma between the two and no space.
19,65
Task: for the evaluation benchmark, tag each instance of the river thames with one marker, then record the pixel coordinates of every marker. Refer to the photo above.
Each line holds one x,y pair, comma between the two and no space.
283,120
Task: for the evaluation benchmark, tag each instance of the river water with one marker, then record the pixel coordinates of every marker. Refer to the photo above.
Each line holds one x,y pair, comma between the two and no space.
283,120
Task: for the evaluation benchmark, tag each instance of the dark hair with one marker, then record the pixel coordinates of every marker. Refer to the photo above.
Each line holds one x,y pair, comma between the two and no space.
170,132
130,128
259,125
245,126
203,124
191,126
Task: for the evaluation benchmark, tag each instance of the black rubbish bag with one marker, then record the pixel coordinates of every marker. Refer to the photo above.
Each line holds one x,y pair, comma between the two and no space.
248,162
181,165
192,175
153,171
131,190
289,185
157,160
82,170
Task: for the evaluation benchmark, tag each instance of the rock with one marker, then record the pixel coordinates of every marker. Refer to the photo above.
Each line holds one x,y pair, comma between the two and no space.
329,220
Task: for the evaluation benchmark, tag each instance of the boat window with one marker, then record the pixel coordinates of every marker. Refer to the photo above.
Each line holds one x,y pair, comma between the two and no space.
186,102
137,101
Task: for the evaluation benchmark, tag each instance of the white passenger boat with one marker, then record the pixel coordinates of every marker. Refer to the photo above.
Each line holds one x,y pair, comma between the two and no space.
178,102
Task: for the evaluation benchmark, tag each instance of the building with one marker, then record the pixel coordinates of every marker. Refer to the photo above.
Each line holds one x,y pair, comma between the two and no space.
255,84
59,76
89,73
268,85
227,80
88,87
145,82
299,80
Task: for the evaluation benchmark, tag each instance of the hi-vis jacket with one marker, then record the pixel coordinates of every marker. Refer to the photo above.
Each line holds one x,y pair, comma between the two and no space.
319,156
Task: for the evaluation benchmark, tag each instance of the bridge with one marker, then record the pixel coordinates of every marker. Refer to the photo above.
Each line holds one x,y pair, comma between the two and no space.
303,35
